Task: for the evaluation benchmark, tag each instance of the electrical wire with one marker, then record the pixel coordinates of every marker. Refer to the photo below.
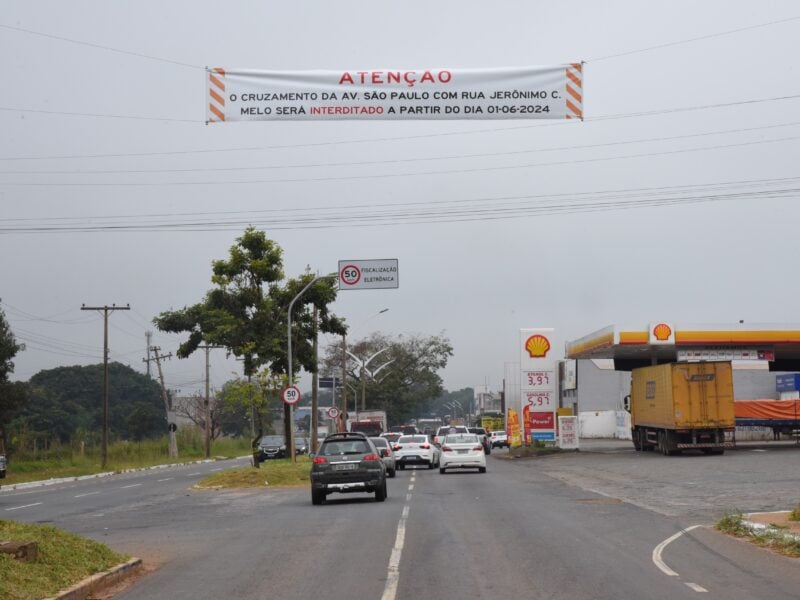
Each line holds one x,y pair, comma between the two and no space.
375,176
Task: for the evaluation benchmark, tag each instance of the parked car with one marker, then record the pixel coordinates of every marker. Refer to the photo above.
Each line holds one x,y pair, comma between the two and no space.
462,451
499,439
415,450
446,429
271,446
2,466
301,444
387,454
483,435
347,463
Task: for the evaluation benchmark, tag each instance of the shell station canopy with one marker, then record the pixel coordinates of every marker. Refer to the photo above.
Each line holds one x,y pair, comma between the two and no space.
665,342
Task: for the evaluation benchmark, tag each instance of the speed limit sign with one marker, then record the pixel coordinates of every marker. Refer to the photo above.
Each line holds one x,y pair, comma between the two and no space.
291,395
350,274
333,412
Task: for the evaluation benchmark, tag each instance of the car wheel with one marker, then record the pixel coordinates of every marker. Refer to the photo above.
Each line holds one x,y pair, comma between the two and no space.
380,493
442,470
402,466
317,497
430,465
392,473
481,469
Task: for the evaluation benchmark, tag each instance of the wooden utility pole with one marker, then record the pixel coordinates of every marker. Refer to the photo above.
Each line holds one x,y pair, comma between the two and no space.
207,401
171,426
343,413
106,309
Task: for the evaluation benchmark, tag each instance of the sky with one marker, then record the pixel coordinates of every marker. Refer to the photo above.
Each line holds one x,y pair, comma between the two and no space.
690,120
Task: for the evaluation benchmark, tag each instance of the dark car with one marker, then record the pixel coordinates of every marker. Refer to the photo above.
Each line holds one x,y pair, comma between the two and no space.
347,463
483,435
301,444
271,446
2,466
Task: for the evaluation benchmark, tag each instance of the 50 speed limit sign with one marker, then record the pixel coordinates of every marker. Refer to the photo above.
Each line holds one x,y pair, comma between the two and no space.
291,395
333,412
350,274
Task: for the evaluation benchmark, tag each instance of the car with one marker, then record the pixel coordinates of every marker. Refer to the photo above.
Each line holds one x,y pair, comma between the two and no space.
499,439
415,450
445,429
347,463
462,451
483,435
392,436
2,466
271,446
387,454
301,444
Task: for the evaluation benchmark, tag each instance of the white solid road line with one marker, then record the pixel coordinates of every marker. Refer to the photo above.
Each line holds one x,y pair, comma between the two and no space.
87,494
660,548
24,506
393,572
167,479
124,487
696,588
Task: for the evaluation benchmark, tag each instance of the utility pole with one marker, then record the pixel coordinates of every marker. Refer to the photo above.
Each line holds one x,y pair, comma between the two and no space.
315,390
106,309
148,335
171,427
343,412
207,401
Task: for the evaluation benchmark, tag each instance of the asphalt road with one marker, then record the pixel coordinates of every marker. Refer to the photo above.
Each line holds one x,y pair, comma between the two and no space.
578,526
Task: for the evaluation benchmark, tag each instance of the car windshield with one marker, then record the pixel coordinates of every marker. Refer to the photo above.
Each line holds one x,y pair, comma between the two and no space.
412,439
461,438
272,440
345,447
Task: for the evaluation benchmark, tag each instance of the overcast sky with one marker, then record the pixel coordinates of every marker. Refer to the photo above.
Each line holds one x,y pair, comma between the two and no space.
712,254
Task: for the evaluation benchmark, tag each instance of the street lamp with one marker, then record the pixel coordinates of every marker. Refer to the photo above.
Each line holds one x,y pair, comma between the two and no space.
289,354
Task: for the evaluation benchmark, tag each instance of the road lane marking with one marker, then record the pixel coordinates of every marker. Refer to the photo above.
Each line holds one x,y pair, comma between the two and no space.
218,469
124,487
410,487
660,548
167,479
193,474
393,571
696,588
24,506
408,497
87,494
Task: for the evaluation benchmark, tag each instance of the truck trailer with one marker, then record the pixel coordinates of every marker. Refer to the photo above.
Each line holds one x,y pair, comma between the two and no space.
681,406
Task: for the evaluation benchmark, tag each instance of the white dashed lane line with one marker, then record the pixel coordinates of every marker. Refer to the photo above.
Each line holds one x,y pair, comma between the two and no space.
193,474
167,479
215,470
697,588
24,506
125,487
87,494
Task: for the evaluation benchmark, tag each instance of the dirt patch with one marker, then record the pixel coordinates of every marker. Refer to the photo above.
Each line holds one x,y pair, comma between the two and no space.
781,519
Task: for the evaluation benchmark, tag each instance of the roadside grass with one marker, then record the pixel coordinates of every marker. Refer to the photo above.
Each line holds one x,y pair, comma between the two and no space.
795,514
535,450
64,560
273,473
65,462
773,537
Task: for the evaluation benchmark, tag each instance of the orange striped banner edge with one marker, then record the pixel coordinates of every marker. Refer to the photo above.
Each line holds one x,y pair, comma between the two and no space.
574,87
216,105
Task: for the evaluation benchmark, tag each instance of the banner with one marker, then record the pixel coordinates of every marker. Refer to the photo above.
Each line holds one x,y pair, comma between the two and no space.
551,92
513,433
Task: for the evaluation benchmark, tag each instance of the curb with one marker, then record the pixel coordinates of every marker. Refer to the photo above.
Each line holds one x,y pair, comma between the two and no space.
45,482
762,527
84,589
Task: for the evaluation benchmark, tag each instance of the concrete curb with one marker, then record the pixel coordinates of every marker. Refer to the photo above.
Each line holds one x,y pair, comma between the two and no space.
55,481
99,581
762,527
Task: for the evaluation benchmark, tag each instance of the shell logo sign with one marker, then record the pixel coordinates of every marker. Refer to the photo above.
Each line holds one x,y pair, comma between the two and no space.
537,346
662,333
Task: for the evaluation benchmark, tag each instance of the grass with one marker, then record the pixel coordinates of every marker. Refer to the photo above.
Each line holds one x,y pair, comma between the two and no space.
773,538
795,514
64,560
538,449
64,462
274,473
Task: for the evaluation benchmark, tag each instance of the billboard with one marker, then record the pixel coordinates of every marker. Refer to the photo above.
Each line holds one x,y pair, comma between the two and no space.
545,92
538,379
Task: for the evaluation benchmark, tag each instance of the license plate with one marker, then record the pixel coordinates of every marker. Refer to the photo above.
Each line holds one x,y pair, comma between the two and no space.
463,451
347,467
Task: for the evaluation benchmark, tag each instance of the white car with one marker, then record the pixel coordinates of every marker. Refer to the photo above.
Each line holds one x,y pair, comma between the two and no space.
499,439
462,451
387,454
446,430
415,450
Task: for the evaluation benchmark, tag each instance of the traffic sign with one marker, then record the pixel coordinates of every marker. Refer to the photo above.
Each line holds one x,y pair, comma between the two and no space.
368,274
333,412
291,394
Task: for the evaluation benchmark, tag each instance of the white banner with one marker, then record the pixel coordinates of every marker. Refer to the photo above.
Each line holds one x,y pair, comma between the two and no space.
552,92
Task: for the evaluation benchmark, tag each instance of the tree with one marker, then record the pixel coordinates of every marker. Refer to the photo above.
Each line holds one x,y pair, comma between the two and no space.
405,386
12,395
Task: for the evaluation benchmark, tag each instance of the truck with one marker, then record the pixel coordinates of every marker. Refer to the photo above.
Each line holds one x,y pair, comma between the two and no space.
681,406
371,422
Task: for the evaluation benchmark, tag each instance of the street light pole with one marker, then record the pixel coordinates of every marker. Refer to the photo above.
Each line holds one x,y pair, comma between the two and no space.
290,441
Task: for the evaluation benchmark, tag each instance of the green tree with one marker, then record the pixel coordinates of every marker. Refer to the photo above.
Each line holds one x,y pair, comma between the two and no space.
12,395
407,384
